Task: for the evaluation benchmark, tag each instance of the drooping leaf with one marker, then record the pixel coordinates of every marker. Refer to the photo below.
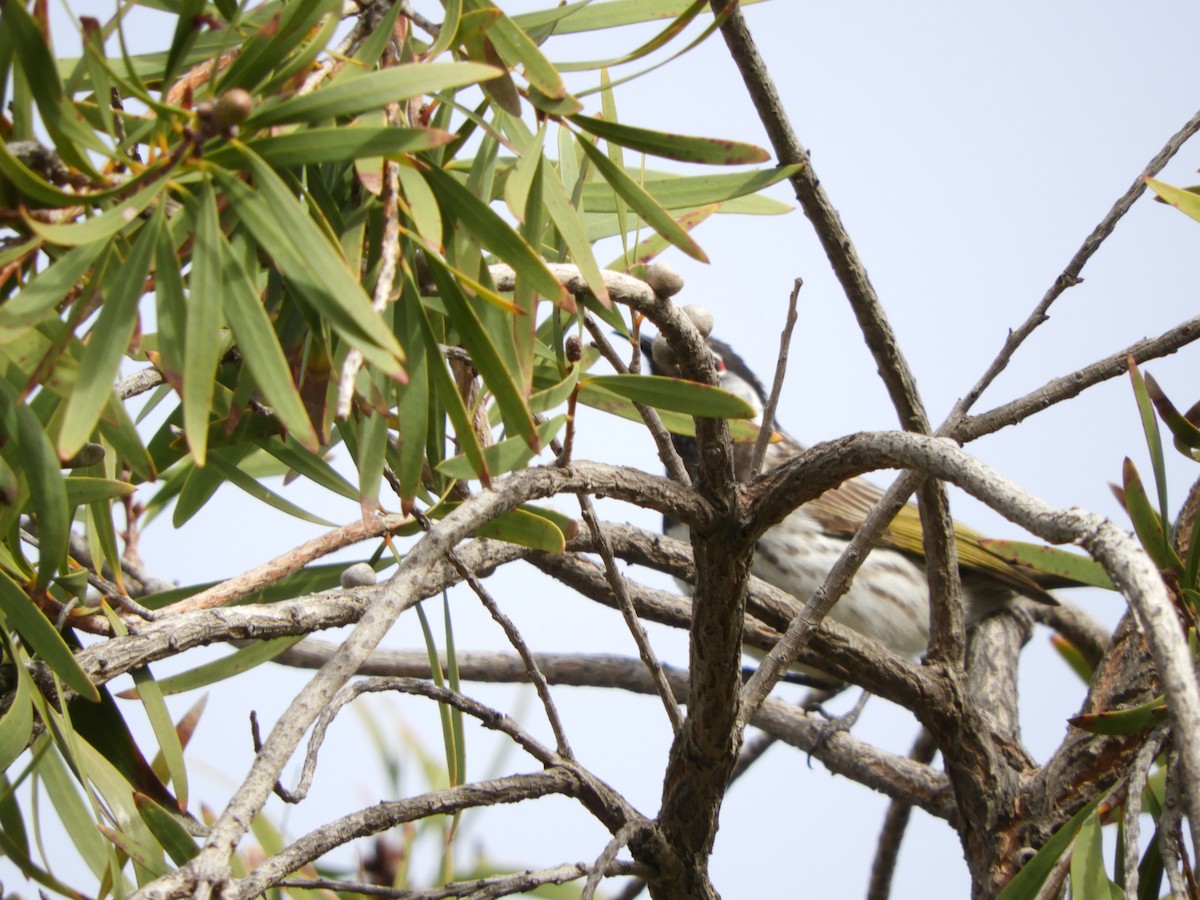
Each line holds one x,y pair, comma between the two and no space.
503,456
1050,560
40,636
372,91
684,148
677,394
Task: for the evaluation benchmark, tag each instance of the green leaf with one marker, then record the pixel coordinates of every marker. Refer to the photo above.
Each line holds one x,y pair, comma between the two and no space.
494,233
103,226
1051,561
39,635
40,297
312,146
521,526
1123,721
168,830
573,231
230,472
677,394
310,263
485,356
202,340
503,456
1184,201
684,148
261,352
516,49
1185,432
1146,521
1027,882
642,203
108,341
310,465
677,423
1153,438
574,18
1088,878
241,660
42,474
690,191
84,489
164,731
373,91
16,725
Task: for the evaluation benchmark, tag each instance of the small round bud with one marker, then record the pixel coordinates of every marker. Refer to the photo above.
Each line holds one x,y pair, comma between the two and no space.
89,454
574,348
663,280
701,318
662,354
232,108
358,575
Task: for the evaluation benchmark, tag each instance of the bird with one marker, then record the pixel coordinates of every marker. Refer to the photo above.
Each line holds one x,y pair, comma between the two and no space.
888,599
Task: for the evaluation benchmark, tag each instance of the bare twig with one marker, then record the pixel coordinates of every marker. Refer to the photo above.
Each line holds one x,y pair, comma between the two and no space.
621,592
895,823
768,416
1070,275
1138,775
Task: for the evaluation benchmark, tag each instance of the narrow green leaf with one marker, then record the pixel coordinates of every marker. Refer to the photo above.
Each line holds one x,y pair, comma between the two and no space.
495,234
1027,882
312,146
230,472
42,474
39,635
168,830
519,526
684,148
583,15
415,401
103,226
16,725
373,91
1050,560
676,192
516,49
261,352
1185,432
108,341
677,423
573,232
642,203
310,465
1146,521
676,394
456,410
1153,438
1123,721
1088,878
502,382
84,489
310,263
502,456
555,396
1185,201
164,731
202,341
41,296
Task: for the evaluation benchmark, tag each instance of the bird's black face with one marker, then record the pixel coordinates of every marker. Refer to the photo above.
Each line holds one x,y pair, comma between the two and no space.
736,377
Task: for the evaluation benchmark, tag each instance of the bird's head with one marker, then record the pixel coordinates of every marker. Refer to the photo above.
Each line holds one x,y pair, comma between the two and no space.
735,376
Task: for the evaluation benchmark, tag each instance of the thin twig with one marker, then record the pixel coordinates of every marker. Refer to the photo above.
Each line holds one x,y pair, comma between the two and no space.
518,642
895,823
606,858
768,416
1139,772
621,592
1064,388
1070,275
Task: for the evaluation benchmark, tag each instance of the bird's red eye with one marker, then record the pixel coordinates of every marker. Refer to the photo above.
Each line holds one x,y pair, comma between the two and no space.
718,363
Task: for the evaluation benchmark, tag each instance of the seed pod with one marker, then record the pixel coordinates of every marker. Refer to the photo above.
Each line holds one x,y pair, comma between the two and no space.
358,575
701,318
663,280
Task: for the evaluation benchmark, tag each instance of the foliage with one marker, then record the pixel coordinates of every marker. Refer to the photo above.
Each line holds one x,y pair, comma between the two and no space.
289,233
